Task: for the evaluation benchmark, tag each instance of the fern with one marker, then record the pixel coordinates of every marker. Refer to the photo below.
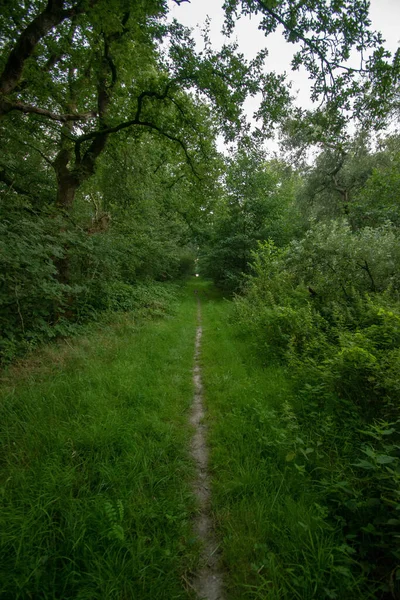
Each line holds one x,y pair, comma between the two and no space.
115,515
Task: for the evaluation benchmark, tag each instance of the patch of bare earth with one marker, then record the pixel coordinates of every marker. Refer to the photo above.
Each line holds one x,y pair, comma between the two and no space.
208,580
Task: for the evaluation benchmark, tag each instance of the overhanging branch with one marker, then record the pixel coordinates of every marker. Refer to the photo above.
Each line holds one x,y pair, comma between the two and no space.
36,110
148,124
102,134
309,43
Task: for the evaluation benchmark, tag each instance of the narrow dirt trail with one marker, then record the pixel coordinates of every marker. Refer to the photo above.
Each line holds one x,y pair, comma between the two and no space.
208,581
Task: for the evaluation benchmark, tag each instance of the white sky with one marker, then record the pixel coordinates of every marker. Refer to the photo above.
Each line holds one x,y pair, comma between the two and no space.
385,17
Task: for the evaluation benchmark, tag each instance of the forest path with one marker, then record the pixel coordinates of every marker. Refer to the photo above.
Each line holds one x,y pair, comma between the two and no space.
133,469
208,580
126,434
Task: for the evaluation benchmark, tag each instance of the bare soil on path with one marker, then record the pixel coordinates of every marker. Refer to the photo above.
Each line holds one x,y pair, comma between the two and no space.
208,580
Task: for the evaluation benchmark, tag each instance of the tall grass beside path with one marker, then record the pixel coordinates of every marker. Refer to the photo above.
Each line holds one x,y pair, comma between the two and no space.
95,473
277,542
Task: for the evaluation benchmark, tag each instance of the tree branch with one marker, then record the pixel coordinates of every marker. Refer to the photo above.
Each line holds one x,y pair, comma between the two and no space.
11,183
53,15
309,43
151,94
126,125
28,145
63,118
366,268
169,186
158,167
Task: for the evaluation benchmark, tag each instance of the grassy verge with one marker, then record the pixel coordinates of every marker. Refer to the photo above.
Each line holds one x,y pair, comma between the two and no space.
94,473
277,541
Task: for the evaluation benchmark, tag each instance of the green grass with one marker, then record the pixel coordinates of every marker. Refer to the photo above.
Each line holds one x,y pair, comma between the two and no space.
94,466
276,539
95,469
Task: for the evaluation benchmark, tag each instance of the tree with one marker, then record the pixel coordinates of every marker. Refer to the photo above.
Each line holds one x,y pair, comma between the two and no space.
84,71
336,177
378,202
258,196
75,75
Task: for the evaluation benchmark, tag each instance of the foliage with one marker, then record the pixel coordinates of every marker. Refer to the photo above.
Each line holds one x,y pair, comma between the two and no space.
327,32
378,201
33,301
279,535
338,173
338,263
128,225
327,305
108,273
324,303
257,201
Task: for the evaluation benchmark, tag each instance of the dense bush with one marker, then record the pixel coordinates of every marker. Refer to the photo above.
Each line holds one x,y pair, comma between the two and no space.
33,301
328,307
107,271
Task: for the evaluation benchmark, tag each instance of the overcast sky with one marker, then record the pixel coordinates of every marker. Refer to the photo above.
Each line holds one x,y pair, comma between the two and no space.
385,16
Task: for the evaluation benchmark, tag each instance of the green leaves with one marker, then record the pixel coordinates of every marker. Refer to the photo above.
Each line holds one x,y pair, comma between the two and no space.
255,207
115,516
329,33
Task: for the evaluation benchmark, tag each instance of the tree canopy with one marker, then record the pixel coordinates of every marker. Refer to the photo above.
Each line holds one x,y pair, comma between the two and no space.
109,120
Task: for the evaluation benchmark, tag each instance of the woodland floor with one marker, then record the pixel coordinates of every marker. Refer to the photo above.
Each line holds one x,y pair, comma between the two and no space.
130,469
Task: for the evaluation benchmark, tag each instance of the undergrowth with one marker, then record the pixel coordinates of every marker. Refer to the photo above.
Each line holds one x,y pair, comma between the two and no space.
305,490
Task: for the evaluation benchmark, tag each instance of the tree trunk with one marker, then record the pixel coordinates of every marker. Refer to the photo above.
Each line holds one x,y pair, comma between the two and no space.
67,185
66,190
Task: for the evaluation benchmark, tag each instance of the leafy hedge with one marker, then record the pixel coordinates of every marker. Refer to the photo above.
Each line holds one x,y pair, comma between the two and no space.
328,306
